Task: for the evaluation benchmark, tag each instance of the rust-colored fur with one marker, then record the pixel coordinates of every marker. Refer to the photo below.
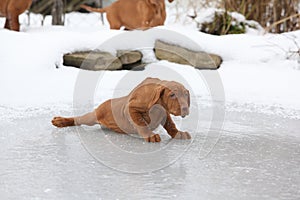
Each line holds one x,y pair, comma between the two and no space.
133,14
11,9
144,109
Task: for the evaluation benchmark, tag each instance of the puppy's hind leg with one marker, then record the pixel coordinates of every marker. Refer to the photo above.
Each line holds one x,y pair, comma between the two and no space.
89,119
114,21
6,24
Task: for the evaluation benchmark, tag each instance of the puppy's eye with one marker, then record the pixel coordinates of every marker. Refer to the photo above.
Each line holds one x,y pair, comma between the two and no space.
172,95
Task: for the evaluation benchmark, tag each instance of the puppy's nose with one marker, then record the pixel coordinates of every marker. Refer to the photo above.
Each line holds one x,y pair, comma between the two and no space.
185,110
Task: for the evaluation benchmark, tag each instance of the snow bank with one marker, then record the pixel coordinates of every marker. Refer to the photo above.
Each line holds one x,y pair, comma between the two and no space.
255,69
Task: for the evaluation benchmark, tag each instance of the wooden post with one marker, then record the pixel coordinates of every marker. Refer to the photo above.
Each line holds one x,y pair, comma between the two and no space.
99,4
58,12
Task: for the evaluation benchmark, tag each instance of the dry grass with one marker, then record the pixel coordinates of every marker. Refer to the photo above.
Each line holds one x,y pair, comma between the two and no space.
268,13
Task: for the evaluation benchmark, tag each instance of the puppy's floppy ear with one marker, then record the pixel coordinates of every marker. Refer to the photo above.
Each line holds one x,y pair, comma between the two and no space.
157,93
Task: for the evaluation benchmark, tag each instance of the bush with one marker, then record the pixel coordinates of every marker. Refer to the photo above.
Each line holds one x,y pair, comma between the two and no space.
220,22
268,12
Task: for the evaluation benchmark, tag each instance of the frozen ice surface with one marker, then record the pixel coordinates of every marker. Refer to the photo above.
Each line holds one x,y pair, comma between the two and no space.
257,154
256,157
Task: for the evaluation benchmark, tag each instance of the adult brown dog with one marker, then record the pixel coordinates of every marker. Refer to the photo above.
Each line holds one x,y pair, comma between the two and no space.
144,109
134,14
11,9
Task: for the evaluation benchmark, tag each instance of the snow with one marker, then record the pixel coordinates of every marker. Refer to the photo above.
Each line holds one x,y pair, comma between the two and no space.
255,69
254,151
206,15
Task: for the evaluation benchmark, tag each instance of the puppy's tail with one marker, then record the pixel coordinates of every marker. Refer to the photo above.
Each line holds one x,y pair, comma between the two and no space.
91,9
89,119
63,122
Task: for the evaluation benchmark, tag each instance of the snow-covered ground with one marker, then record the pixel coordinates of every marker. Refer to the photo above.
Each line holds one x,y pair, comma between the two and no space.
255,70
262,106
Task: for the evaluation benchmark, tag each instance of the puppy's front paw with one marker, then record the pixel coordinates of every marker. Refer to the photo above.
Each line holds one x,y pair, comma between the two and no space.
62,122
153,138
182,135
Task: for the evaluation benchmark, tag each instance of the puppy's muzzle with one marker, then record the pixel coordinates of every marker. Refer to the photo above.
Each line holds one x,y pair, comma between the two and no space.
184,111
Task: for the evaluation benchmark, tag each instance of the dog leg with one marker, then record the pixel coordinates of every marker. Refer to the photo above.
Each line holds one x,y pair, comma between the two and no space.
13,22
6,24
142,127
148,135
173,131
89,119
114,21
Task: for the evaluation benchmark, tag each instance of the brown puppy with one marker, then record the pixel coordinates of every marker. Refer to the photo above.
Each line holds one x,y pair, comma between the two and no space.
144,109
134,14
11,9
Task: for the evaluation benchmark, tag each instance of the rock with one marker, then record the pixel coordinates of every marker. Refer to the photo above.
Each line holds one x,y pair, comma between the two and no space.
75,59
92,61
129,57
138,66
181,55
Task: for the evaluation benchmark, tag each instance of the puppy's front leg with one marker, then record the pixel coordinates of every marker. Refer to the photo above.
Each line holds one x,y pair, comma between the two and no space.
142,127
147,134
173,131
